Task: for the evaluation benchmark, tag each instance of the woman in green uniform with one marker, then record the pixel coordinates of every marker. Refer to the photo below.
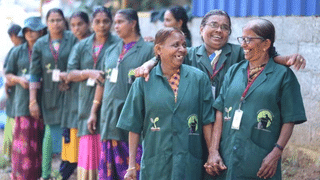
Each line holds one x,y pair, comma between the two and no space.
259,103
79,23
28,133
173,112
13,33
119,62
85,67
49,63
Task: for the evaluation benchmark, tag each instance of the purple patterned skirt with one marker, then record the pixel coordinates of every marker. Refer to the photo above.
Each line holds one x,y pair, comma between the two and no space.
114,160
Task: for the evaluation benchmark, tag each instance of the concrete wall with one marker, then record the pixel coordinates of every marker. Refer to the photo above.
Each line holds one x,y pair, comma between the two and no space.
293,35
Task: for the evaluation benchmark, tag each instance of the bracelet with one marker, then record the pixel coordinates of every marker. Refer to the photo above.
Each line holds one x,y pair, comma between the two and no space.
96,102
278,146
32,103
130,169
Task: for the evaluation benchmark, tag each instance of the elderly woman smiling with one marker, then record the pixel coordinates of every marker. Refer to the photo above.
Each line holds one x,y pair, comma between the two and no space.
171,111
263,102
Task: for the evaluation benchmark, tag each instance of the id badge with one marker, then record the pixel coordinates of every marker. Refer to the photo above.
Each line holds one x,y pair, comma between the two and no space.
213,89
56,75
90,82
114,75
237,119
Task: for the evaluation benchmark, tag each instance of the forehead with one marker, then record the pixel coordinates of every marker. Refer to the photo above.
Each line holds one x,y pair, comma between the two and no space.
247,31
76,19
101,15
168,14
218,19
175,36
54,15
119,16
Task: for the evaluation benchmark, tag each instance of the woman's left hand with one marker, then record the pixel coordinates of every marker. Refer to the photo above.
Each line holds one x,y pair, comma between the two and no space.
297,61
269,164
64,77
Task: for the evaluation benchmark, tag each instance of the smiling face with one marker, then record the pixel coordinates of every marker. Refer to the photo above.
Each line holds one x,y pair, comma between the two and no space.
257,49
123,27
101,24
215,38
170,21
56,23
173,50
79,27
31,36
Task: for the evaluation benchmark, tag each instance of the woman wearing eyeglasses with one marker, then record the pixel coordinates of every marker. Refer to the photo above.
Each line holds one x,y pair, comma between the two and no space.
263,103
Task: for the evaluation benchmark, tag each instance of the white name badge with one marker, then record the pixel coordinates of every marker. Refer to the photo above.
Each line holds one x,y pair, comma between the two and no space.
213,89
237,119
114,75
90,82
56,75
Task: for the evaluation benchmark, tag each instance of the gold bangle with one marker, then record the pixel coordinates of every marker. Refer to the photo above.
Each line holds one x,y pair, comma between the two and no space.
32,103
96,102
130,169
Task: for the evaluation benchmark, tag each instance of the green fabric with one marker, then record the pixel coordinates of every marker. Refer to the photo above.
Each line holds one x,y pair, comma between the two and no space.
275,91
197,57
188,42
80,59
10,110
115,94
7,137
173,152
18,64
52,143
52,98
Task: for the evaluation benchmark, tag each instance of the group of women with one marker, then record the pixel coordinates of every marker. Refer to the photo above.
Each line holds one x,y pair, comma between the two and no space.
79,88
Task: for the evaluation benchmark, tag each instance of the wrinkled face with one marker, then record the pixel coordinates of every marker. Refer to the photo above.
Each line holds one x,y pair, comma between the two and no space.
173,50
257,48
215,33
55,23
170,21
31,36
123,27
79,27
101,24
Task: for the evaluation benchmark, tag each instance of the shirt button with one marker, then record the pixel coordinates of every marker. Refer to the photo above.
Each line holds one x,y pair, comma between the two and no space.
174,133
234,148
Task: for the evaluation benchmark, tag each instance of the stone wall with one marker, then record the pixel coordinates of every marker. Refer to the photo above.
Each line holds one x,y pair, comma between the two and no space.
293,35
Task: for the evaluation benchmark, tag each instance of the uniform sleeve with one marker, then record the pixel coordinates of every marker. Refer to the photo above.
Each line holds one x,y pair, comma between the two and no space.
35,65
74,58
6,58
133,112
11,66
219,102
291,103
208,114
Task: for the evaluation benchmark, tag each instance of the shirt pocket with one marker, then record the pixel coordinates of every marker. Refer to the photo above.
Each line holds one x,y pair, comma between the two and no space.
194,145
157,167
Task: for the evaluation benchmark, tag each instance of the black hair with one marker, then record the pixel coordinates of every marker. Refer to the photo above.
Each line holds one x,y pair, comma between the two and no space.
215,12
103,9
84,16
179,13
14,29
265,29
131,15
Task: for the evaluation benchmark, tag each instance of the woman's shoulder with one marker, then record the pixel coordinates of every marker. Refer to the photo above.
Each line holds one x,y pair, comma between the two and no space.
193,71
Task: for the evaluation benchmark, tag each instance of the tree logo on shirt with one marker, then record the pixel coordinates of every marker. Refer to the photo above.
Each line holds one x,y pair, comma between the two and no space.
264,119
48,66
193,123
108,73
154,127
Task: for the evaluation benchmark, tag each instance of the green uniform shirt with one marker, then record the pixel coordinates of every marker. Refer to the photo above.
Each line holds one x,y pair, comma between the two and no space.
175,151
80,59
115,94
10,110
273,99
18,64
42,61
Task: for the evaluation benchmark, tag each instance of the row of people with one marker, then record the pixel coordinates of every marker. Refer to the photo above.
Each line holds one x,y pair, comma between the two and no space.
82,88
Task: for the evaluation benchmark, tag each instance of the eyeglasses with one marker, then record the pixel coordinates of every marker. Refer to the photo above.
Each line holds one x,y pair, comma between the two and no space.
216,26
247,40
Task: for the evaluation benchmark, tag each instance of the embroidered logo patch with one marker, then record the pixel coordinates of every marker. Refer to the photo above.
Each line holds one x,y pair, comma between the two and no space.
193,123
108,73
227,110
154,127
48,66
264,119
